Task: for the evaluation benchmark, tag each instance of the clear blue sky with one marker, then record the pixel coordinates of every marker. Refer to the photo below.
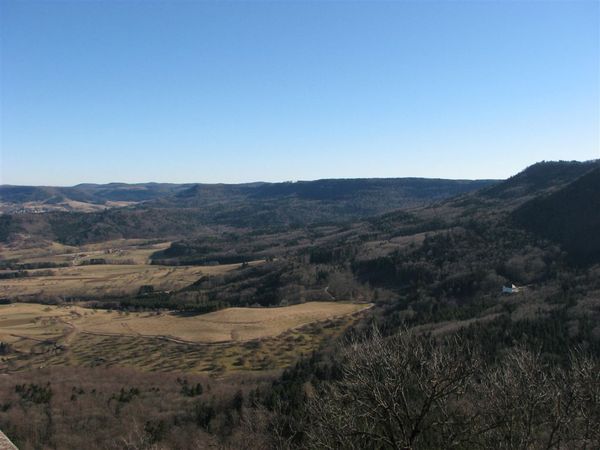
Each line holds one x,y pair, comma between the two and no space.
182,91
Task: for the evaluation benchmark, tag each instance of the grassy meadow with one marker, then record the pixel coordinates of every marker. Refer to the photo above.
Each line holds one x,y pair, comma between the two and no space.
105,280
124,268
227,340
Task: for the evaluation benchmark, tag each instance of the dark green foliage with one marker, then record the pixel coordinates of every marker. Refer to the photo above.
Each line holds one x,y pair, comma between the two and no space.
548,334
266,293
156,430
123,397
4,348
570,217
34,393
238,401
14,274
7,227
203,413
12,265
145,289
190,391
538,178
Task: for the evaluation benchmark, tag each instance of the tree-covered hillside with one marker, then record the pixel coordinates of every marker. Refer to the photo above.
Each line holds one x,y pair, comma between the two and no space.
183,210
570,217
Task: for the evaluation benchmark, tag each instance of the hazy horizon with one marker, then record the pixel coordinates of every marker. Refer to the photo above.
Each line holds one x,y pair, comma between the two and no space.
240,92
293,180
280,181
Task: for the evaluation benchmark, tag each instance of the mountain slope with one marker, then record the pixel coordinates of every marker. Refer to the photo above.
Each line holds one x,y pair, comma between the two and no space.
570,217
539,178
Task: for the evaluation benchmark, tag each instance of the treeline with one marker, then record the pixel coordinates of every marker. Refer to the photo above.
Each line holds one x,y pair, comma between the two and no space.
24,274
12,265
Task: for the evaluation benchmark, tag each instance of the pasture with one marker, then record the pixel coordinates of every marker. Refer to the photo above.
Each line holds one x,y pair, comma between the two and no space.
230,324
230,339
105,280
133,251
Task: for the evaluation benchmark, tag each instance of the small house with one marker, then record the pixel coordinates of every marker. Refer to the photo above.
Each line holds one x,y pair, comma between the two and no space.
510,289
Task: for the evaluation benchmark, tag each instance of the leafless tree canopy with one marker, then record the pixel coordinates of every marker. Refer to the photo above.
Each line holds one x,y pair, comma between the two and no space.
410,391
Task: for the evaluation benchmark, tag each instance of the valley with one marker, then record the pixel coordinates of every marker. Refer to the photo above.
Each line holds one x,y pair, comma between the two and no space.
269,309
299,225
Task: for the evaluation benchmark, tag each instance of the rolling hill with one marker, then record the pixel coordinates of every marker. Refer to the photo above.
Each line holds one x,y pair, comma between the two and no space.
569,216
180,210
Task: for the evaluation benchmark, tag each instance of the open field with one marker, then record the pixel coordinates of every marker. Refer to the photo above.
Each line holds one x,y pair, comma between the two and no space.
67,205
230,339
106,279
32,321
136,251
24,251
231,324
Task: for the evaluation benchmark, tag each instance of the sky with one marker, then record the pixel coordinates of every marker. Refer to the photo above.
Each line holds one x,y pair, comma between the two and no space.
186,91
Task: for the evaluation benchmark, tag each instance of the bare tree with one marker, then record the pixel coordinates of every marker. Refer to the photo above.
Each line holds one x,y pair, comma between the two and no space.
585,378
397,392
411,391
531,404
520,399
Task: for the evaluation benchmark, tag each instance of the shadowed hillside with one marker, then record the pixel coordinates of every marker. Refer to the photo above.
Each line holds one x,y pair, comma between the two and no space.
570,217
167,210
92,193
538,178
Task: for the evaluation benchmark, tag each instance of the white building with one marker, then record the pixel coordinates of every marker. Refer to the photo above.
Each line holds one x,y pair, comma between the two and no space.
510,289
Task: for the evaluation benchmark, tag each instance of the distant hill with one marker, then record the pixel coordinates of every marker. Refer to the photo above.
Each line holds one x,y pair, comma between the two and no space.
539,178
546,198
180,210
340,189
88,193
347,198
569,216
184,194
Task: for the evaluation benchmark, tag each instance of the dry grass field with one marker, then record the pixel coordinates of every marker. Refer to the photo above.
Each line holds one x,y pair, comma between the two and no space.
24,251
32,321
106,279
136,251
233,339
127,268
230,339
28,320
231,324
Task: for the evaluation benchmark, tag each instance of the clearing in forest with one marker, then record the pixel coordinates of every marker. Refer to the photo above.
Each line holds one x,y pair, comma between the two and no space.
41,322
106,279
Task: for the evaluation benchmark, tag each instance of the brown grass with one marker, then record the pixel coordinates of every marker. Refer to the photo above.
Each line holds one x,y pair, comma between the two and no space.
231,324
235,339
136,250
107,279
